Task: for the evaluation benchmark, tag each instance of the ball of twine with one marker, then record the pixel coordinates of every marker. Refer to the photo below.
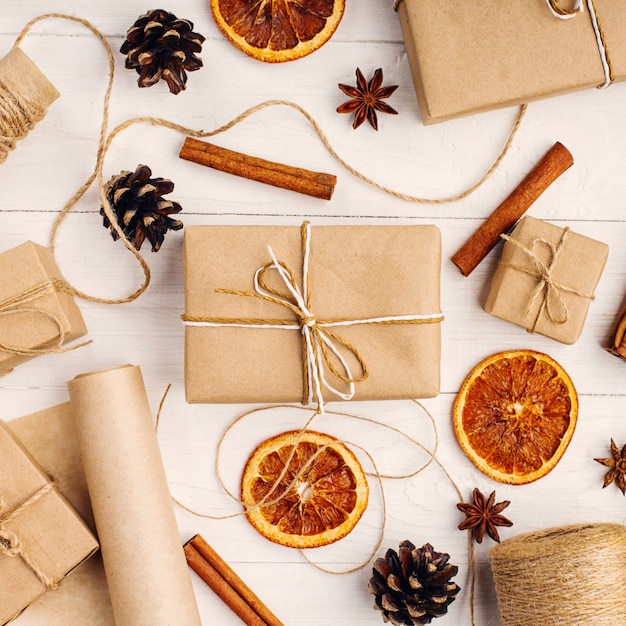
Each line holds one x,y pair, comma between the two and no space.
567,575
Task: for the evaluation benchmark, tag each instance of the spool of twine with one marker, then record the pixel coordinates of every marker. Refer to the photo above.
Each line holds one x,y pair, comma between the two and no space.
567,575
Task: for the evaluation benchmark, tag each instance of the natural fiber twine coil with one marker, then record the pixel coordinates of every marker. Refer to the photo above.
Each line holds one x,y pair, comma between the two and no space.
568,575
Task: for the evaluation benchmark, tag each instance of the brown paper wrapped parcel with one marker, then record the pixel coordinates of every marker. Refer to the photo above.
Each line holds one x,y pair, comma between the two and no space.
42,538
38,313
354,273
468,57
546,279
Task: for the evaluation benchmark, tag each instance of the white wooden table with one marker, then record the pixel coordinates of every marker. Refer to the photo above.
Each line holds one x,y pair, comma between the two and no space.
436,161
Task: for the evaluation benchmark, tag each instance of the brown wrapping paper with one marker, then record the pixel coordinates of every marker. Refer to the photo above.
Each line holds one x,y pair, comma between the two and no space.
35,321
578,266
146,569
83,597
34,516
356,272
467,57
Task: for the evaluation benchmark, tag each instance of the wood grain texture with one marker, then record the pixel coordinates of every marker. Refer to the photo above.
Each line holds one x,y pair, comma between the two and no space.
435,161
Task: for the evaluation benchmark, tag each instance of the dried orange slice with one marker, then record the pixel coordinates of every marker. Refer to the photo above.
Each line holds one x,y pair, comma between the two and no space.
278,30
515,415
319,498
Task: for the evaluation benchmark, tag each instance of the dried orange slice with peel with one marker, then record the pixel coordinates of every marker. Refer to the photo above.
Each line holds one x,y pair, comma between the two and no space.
277,30
515,415
307,498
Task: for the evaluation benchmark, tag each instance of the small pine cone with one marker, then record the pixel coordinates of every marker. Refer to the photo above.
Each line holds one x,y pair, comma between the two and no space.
159,45
413,586
138,204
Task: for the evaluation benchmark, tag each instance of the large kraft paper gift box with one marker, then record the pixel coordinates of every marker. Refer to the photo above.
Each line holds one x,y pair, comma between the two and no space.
37,311
546,279
355,273
468,57
42,538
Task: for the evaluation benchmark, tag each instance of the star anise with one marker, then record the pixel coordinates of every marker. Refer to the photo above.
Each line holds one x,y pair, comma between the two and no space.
617,473
484,516
366,99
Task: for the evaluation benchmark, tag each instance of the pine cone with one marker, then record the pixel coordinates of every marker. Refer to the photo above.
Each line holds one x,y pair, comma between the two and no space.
413,585
159,45
138,204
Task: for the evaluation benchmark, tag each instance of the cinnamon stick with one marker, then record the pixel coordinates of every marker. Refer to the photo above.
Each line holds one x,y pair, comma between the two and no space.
316,184
548,169
617,341
216,573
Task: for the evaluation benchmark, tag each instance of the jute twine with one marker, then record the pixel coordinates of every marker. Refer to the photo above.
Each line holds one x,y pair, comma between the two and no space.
375,472
17,305
10,544
572,575
105,141
547,289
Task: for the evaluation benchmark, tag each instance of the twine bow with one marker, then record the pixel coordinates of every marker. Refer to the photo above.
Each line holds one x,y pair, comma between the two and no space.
10,544
15,306
577,8
546,284
325,352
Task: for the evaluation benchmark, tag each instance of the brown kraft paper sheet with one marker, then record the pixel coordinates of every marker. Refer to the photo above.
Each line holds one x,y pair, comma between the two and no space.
83,597
356,272
35,520
468,57
146,569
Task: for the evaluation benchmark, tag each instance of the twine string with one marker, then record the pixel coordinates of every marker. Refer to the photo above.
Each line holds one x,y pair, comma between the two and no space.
15,306
323,349
10,544
547,288
267,500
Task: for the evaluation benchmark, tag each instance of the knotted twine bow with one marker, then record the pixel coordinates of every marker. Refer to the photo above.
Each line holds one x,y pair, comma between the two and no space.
10,544
546,285
15,306
324,351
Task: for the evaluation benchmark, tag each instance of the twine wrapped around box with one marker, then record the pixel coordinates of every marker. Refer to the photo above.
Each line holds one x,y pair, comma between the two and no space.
548,290
10,544
532,49
326,354
546,278
15,306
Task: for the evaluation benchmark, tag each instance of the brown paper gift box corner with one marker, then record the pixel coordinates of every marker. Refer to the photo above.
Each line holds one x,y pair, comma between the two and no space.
579,266
23,268
51,534
468,57
356,272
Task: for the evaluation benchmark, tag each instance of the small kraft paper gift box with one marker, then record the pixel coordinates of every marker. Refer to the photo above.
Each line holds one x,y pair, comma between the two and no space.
546,278
38,314
353,312
42,538
468,57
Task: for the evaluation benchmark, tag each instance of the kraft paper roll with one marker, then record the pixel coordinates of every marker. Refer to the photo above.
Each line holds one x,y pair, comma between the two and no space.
144,562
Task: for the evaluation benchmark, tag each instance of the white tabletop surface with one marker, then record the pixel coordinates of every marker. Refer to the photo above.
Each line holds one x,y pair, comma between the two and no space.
432,161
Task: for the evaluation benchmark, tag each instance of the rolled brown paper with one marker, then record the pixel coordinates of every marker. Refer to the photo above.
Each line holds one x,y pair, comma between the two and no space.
144,562
475,249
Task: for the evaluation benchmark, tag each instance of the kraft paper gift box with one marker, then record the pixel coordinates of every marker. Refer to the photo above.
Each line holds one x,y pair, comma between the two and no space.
468,57
42,538
355,273
36,310
546,279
